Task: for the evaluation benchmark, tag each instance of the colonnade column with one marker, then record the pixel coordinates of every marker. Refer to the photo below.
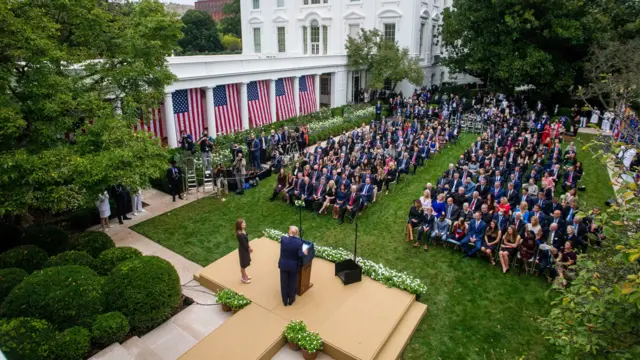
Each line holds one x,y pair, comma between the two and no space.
296,93
316,79
169,123
244,106
211,117
272,99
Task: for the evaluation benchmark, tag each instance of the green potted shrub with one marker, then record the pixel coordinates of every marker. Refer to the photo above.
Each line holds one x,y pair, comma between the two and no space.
293,331
311,344
223,297
238,302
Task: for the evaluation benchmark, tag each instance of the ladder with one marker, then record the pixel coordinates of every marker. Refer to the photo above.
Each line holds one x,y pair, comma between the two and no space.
207,176
192,178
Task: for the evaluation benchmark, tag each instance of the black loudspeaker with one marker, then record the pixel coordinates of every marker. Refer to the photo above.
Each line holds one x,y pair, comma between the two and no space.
348,271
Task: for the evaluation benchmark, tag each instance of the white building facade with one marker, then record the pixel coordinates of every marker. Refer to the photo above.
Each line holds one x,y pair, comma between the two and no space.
290,39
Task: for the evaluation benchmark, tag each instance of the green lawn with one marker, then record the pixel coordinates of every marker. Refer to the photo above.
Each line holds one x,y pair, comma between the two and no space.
475,311
595,178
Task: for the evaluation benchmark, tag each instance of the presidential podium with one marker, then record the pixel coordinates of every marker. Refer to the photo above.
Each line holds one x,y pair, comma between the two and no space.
304,274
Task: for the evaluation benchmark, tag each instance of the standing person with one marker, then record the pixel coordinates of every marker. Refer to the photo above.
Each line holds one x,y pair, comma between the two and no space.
244,250
255,152
240,170
378,111
291,253
120,195
136,202
174,178
206,146
104,209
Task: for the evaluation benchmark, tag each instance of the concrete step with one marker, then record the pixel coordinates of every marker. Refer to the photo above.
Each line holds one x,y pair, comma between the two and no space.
139,350
114,351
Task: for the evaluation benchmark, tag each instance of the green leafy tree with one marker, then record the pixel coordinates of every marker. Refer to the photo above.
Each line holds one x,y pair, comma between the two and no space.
543,43
382,59
232,22
200,33
64,65
231,43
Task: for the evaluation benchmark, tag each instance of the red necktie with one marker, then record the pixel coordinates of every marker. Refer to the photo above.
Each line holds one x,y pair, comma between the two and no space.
351,201
320,189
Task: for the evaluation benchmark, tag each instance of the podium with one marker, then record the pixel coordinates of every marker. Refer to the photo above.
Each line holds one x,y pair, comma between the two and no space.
304,274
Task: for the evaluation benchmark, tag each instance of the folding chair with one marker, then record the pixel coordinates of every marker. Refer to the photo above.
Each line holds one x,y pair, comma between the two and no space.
393,183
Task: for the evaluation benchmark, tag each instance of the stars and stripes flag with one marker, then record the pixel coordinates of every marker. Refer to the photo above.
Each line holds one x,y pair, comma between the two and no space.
155,125
285,102
258,103
227,108
189,112
307,95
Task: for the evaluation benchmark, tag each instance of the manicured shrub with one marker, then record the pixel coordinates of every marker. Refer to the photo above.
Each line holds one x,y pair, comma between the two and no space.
66,296
10,278
50,238
11,237
27,338
94,243
72,344
146,290
80,258
109,328
27,257
112,257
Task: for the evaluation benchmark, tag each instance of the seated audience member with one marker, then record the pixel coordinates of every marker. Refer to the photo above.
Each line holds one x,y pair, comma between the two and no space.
425,199
459,198
319,195
352,204
426,227
451,211
508,247
415,218
528,248
459,230
466,213
366,193
281,183
341,197
565,257
440,229
294,192
438,205
491,238
390,176
475,235
289,187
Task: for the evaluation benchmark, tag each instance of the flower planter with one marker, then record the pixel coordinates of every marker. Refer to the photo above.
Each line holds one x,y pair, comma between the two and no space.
226,308
233,311
309,356
293,346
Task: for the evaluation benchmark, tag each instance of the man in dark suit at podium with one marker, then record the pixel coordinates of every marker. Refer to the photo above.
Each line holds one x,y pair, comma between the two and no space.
291,254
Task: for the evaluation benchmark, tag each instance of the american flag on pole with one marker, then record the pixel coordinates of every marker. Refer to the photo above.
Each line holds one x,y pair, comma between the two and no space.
188,111
227,108
156,124
285,103
307,95
258,102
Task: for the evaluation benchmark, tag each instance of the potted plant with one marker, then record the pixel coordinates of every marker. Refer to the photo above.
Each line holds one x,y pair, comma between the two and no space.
223,297
293,331
238,302
310,343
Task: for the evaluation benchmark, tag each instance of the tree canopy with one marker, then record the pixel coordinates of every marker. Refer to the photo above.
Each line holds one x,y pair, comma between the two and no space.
200,33
64,65
232,22
542,43
383,59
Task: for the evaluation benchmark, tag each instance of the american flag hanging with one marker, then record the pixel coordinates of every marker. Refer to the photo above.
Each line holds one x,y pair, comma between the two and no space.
307,95
227,109
285,103
188,112
258,103
156,124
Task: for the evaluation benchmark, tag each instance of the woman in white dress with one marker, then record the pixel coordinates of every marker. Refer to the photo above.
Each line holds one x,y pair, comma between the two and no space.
425,199
105,210
595,116
606,121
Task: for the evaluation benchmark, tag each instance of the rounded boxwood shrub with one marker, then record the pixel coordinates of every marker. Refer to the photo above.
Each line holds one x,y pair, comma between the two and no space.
72,344
10,278
65,296
71,258
50,238
110,328
27,338
27,257
11,237
146,290
94,242
108,259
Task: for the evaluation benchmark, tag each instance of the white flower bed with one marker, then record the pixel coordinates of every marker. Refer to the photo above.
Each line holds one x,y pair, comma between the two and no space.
378,272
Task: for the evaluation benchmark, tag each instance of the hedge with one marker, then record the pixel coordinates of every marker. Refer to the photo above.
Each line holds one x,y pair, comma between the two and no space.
94,243
11,237
27,338
109,328
146,290
65,296
27,257
72,344
50,238
108,259
73,257
10,278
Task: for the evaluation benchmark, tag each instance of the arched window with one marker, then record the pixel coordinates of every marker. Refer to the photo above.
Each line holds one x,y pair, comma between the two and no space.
315,37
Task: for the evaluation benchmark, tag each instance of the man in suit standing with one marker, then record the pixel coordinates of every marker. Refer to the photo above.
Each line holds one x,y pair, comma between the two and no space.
255,152
174,177
291,254
475,234
352,204
378,111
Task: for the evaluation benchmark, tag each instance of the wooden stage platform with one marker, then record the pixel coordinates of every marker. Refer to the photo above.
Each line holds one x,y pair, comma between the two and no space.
365,320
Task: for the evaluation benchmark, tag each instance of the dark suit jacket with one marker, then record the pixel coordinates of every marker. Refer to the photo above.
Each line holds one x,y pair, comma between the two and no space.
455,212
170,175
478,231
476,206
290,253
356,199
